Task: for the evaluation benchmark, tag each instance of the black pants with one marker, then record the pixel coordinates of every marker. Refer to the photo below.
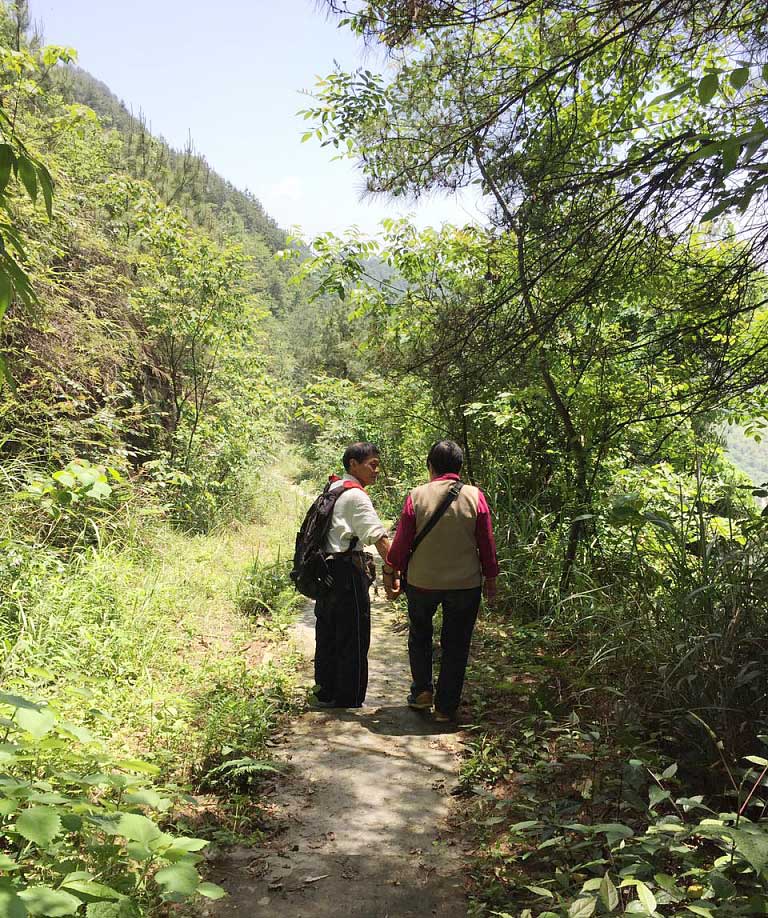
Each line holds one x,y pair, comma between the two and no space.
459,616
343,636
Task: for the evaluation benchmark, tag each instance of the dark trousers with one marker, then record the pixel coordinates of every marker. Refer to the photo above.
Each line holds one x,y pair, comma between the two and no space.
343,636
459,616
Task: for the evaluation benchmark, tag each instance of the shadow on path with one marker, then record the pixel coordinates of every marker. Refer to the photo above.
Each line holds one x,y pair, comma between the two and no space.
363,803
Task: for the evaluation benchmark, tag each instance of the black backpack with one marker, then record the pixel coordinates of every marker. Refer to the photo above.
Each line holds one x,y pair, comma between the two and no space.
311,575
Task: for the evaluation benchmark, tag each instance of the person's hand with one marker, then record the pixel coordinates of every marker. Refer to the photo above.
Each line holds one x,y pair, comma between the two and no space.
392,590
391,584
489,590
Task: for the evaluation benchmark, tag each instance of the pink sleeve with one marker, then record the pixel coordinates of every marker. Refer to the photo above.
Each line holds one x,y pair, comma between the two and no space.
486,544
400,549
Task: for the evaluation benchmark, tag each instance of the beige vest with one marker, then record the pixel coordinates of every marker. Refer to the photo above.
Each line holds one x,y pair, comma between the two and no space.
447,559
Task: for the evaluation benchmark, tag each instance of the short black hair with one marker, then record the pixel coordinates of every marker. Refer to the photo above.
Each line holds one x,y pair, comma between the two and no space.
359,452
445,457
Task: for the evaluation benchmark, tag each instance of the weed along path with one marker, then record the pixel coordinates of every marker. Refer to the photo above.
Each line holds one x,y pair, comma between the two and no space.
362,804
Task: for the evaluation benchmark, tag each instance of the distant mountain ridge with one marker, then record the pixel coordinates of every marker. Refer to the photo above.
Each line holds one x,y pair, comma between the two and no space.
185,176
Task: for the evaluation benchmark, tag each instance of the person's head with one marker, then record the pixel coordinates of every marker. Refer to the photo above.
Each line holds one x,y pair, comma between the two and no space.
445,456
363,461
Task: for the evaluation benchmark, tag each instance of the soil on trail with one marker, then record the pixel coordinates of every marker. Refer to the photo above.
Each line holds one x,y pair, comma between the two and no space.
363,804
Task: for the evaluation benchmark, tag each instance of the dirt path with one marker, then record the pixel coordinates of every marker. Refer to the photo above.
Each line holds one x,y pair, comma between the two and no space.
364,801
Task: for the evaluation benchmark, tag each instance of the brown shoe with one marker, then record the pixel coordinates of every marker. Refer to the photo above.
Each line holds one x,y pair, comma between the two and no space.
420,702
442,718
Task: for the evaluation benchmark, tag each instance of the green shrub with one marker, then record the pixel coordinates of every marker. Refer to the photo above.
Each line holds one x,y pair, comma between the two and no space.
267,591
75,837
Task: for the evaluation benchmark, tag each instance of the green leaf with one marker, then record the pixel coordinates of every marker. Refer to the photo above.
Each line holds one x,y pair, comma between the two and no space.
609,895
667,883
707,88
751,845
739,77
11,906
46,186
6,290
7,159
646,897
39,824
83,734
138,765
716,210
92,889
132,826
540,891
16,701
137,828
757,760
42,900
38,723
139,852
211,891
99,490
731,151
188,845
149,797
28,175
582,908
178,880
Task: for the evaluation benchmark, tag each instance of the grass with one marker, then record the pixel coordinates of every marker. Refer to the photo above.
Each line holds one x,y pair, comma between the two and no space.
582,802
149,642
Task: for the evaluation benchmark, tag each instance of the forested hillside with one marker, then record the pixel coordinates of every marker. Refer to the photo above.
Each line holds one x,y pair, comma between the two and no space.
143,407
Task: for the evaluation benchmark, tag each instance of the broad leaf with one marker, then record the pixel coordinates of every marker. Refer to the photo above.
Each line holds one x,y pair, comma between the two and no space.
38,723
16,701
42,900
11,906
39,824
646,897
582,908
7,159
92,889
211,891
739,77
609,895
178,880
708,86
28,175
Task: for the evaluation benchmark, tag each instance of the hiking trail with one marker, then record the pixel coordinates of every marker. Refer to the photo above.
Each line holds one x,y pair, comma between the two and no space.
362,801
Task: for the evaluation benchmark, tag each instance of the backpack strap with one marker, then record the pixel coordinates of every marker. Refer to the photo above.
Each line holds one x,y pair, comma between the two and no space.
345,486
450,497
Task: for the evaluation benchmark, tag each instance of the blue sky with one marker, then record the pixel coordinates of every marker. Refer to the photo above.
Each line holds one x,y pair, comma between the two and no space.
231,73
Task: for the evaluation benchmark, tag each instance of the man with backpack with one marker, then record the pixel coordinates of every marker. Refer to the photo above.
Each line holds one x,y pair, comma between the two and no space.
331,567
445,548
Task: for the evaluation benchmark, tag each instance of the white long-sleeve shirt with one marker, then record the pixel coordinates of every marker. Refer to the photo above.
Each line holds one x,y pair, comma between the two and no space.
353,516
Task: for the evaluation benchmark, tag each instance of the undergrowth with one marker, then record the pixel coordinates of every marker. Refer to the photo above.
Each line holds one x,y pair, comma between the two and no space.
140,692
582,803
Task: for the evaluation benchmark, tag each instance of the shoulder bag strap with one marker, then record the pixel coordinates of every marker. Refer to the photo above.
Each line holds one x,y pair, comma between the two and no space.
450,497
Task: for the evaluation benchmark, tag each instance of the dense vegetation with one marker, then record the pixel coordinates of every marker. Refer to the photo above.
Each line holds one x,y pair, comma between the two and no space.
142,415
588,347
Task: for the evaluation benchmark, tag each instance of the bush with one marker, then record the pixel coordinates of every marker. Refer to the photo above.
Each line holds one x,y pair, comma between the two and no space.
267,591
76,836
